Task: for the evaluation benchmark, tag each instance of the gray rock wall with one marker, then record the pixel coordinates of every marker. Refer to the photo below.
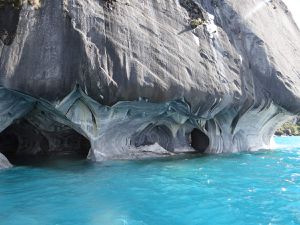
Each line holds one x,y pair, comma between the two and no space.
238,73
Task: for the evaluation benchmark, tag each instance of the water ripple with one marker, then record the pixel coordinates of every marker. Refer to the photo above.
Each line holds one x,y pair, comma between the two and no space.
236,189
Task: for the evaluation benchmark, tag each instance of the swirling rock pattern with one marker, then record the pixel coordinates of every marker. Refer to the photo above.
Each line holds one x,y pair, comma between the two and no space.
235,78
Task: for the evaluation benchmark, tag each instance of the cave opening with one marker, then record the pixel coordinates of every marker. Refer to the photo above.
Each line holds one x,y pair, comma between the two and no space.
24,143
199,140
152,134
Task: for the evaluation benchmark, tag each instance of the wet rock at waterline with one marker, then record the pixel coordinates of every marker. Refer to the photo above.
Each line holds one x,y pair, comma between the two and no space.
79,126
213,66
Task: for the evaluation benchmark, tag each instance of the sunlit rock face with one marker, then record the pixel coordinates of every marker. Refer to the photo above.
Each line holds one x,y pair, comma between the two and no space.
234,78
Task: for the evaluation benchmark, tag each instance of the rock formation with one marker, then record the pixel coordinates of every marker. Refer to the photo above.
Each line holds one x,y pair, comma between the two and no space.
151,77
4,163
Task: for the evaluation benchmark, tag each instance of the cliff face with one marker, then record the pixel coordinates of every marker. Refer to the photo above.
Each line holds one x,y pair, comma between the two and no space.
234,77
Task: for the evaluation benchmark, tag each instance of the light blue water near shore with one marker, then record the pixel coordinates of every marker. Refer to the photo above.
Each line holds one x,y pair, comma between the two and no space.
246,188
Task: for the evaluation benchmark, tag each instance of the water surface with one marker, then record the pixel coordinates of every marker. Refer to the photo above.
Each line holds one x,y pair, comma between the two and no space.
245,188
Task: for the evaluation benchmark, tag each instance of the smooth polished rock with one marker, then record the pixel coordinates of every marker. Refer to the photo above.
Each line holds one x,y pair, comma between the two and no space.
236,76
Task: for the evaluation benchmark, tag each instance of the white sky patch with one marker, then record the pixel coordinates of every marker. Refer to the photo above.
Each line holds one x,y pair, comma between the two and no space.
294,7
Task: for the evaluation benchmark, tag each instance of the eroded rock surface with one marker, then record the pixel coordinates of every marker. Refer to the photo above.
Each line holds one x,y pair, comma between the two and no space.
32,129
235,77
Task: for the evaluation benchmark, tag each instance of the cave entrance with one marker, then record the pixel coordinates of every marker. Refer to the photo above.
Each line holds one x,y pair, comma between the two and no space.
199,140
24,143
152,134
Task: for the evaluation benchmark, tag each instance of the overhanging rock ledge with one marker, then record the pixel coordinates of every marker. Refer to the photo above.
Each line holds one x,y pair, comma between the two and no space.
233,75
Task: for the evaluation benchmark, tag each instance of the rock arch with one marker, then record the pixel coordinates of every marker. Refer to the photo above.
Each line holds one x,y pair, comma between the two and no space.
152,134
23,142
33,130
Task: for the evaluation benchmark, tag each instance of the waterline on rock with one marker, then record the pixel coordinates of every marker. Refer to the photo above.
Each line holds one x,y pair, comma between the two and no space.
133,129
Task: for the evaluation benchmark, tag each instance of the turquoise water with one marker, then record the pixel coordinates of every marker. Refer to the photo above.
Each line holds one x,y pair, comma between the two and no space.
246,188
